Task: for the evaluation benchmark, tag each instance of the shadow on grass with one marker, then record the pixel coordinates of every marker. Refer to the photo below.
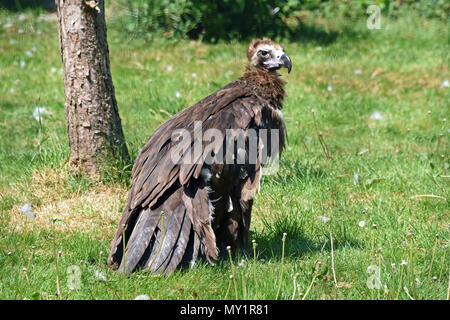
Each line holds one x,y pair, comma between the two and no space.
270,244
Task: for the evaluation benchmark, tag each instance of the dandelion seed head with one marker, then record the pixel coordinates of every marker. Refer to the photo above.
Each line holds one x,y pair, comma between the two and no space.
376,115
99,275
324,219
361,224
39,112
26,210
356,178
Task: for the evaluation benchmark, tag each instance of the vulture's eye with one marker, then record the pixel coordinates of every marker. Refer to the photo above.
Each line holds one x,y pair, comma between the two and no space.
264,53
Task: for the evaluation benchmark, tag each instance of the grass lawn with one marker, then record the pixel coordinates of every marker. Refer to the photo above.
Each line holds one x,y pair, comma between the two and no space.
365,218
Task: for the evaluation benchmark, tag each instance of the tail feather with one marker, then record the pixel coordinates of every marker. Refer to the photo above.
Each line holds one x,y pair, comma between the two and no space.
179,248
162,238
192,249
139,239
171,232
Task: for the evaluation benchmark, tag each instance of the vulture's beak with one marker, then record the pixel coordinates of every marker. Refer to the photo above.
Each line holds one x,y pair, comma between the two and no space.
285,61
278,62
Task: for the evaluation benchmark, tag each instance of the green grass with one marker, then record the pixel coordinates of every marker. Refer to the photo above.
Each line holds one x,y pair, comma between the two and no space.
401,156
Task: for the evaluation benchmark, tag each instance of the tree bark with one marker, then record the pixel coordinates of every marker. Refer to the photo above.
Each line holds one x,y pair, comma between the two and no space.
93,123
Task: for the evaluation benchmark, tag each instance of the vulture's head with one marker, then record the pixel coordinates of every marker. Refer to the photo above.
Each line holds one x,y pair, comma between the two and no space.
268,55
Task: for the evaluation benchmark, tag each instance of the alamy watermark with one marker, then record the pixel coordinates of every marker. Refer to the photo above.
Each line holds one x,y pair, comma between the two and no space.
373,281
73,277
374,20
233,146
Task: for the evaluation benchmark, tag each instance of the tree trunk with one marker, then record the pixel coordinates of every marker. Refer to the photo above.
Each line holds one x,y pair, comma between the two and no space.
93,123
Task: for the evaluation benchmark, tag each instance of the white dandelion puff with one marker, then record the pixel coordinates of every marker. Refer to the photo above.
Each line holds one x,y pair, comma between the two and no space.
26,210
376,115
99,275
39,112
356,178
324,219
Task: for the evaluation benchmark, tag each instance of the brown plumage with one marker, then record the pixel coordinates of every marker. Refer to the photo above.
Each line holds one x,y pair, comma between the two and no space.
180,210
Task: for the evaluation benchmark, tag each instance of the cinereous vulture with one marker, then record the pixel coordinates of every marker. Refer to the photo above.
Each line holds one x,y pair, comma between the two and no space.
193,182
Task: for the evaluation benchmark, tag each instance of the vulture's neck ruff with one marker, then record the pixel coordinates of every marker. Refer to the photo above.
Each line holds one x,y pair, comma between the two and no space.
267,84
